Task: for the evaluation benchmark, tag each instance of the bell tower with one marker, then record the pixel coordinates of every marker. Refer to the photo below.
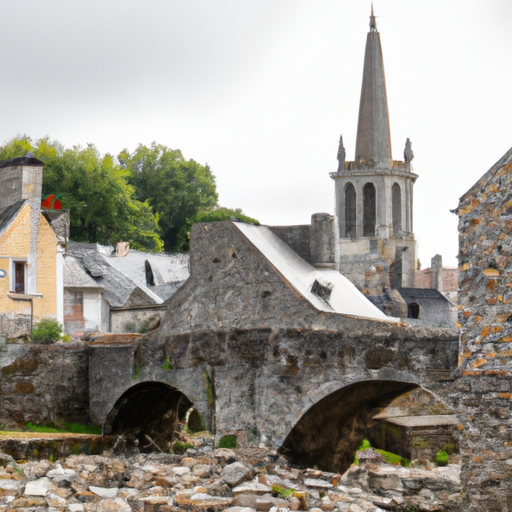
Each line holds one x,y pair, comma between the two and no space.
374,193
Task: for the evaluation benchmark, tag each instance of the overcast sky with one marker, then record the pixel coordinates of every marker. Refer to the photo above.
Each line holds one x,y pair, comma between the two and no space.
262,89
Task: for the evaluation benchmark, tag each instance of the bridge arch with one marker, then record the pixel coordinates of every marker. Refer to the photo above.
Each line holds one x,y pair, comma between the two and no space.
329,432
148,409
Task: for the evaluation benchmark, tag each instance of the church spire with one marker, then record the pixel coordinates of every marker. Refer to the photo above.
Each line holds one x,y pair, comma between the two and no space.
373,139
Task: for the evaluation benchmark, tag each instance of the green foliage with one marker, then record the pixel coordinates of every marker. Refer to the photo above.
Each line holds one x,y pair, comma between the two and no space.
168,366
284,492
74,428
130,327
47,331
48,428
95,189
391,458
442,458
209,389
177,189
365,445
219,214
66,338
181,448
228,441
137,371
79,428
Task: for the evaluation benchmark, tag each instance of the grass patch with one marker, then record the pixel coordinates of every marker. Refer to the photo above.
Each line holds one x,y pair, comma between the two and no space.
283,492
68,428
180,448
391,458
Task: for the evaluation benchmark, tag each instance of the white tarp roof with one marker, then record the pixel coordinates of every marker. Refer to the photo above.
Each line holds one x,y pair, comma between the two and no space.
345,298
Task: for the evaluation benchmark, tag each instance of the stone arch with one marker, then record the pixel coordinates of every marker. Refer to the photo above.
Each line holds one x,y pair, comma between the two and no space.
330,431
396,206
369,209
350,211
147,409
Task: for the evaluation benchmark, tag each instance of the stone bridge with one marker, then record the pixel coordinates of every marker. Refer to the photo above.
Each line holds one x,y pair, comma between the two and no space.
257,359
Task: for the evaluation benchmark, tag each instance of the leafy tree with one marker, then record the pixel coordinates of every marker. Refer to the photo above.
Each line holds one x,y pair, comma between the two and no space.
177,189
210,216
96,191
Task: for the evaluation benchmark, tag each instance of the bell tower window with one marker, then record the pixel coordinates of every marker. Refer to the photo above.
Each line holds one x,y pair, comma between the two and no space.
396,203
369,210
350,211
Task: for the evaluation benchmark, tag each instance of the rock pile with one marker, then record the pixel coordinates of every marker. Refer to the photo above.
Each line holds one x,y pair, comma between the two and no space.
205,480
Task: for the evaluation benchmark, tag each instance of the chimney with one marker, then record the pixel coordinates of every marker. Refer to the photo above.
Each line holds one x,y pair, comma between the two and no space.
21,178
436,265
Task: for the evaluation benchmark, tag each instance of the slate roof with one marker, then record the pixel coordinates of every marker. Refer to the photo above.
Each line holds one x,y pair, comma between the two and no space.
326,290
411,294
170,271
123,279
75,275
9,212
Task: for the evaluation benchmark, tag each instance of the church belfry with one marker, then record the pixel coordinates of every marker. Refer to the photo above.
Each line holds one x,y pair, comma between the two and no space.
374,193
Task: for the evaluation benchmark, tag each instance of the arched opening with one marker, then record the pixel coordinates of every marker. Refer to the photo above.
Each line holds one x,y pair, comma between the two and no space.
350,211
396,203
330,432
148,410
369,210
413,310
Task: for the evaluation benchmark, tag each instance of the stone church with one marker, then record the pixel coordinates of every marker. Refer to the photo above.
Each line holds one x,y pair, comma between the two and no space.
370,239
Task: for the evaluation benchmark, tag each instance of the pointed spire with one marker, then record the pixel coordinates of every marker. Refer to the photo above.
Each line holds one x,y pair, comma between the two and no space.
373,21
373,138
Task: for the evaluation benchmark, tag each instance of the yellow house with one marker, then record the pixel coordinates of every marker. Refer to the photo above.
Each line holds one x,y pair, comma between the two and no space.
31,267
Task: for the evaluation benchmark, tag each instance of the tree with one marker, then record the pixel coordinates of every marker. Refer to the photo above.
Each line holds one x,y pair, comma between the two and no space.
211,216
177,189
96,191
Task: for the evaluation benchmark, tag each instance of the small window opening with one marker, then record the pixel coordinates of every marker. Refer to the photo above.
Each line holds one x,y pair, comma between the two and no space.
413,310
369,210
150,278
19,277
322,289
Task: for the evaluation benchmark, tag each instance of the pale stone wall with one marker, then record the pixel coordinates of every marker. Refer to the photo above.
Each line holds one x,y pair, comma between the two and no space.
135,319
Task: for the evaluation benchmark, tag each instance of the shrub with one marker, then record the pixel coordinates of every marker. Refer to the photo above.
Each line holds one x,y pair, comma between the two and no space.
442,458
47,331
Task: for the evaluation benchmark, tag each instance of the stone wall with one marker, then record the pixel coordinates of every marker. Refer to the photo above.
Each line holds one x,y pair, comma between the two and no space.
297,237
485,319
423,279
44,383
137,318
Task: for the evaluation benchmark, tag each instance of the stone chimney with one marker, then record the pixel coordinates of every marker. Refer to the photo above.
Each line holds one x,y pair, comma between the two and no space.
21,178
436,266
322,243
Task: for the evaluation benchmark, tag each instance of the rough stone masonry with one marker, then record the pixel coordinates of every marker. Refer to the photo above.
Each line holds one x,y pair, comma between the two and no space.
485,372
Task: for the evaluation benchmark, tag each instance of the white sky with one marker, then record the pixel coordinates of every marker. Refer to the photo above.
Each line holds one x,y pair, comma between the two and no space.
261,90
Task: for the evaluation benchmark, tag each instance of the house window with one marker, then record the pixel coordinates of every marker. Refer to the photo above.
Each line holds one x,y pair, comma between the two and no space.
19,276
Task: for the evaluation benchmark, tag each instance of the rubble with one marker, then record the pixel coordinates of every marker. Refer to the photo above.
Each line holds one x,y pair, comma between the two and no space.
243,480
